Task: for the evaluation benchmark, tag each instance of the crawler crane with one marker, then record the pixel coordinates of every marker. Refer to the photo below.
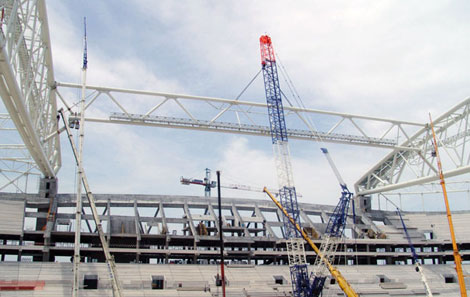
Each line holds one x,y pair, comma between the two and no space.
333,232
303,284
287,192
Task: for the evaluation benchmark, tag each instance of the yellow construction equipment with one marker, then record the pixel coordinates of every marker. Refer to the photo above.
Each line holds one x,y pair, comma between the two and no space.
457,258
342,282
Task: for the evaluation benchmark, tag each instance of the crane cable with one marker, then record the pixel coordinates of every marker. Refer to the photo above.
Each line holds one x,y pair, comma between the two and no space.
248,85
298,100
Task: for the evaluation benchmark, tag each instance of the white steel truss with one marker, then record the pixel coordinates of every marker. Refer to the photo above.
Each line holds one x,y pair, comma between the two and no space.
16,164
234,116
328,248
29,92
26,82
405,168
296,251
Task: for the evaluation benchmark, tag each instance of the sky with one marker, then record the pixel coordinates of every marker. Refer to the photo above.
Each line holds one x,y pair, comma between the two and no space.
391,59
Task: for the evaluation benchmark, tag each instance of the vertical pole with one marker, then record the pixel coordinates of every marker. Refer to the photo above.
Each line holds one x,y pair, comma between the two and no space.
221,235
457,258
78,212
91,200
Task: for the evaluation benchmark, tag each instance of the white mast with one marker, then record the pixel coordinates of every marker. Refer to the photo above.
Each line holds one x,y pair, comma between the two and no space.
78,213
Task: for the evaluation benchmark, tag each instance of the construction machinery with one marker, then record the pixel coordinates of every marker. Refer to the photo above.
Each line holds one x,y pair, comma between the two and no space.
457,257
336,274
287,192
415,257
333,233
78,155
303,284
209,184
116,286
82,180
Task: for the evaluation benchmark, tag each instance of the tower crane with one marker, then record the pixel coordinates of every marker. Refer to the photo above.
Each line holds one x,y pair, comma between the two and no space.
208,184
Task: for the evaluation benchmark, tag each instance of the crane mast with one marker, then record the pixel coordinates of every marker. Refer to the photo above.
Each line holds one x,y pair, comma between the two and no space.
287,192
207,183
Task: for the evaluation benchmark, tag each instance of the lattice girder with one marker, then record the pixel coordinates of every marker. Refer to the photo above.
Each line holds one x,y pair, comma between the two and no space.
406,168
28,80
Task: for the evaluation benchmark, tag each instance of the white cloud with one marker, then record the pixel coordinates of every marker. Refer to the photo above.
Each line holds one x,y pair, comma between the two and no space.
385,59
242,164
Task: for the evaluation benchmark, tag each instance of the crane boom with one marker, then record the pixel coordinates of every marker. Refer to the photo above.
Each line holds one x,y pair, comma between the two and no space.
334,231
333,166
337,222
457,258
415,257
287,192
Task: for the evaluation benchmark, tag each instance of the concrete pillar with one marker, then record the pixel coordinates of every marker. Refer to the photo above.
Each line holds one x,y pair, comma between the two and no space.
48,190
20,249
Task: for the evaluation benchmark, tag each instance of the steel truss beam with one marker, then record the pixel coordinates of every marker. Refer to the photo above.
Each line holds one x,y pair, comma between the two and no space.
401,169
26,80
234,116
16,164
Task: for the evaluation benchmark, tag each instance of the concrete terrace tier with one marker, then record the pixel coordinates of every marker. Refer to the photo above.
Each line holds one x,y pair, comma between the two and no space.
184,229
242,280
